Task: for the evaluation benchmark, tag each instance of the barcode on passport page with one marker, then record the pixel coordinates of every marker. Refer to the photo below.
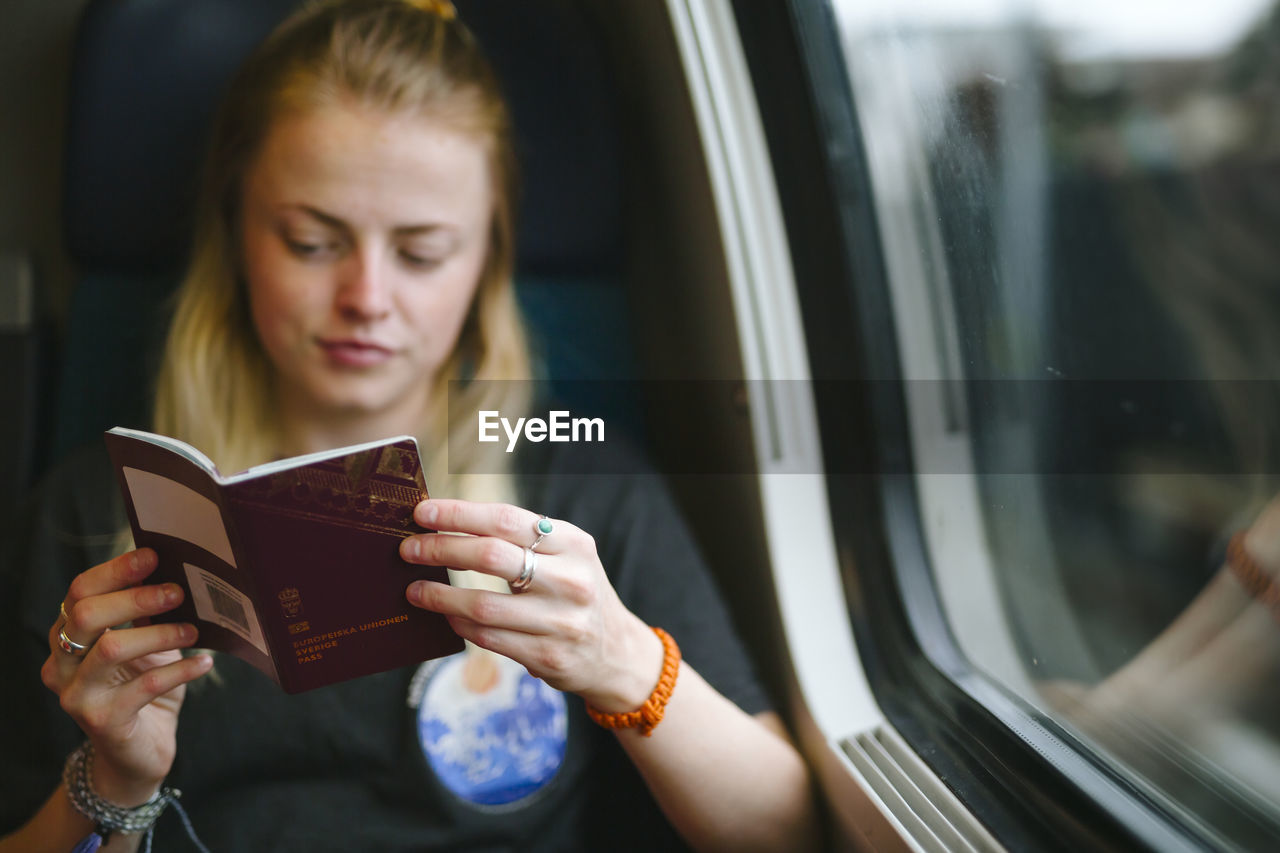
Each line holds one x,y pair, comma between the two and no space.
219,602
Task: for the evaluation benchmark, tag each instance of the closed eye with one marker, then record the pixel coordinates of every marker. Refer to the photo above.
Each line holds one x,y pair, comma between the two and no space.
311,250
418,261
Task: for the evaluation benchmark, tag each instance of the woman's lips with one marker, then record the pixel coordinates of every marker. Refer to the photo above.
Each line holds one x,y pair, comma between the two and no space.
347,352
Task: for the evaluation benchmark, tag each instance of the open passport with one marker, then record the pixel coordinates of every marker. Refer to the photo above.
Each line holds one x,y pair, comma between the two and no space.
293,566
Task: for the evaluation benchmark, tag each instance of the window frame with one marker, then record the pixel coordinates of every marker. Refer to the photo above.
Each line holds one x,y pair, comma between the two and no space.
1027,778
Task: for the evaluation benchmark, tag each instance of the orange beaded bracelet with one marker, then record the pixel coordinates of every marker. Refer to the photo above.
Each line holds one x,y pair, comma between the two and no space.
1255,580
650,713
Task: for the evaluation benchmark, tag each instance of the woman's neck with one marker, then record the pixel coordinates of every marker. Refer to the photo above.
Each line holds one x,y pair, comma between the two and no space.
309,432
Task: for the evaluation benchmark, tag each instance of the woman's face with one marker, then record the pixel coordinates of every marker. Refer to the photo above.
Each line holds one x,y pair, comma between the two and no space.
363,236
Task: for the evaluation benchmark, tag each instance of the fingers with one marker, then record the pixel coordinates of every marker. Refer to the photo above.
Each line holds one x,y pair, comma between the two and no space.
91,689
99,708
116,574
119,647
500,521
560,629
477,606
99,598
541,655
495,557
562,665
516,645
113,649
89,617
156,682
128,569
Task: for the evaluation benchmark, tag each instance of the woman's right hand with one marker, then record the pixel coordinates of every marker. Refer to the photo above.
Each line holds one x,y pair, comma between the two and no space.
125,692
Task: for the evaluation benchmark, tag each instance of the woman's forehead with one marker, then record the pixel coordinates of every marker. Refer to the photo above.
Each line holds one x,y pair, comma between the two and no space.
357,161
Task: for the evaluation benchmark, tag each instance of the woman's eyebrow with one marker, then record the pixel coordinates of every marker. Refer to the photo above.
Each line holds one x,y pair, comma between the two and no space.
428,228
404,230
317,214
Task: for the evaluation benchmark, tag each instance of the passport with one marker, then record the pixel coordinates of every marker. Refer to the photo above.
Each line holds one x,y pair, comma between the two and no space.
293,566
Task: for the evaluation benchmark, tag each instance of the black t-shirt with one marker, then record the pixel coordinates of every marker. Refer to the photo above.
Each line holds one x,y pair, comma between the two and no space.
344,767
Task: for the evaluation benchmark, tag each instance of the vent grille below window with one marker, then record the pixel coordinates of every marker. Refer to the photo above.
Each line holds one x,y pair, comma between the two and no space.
937,821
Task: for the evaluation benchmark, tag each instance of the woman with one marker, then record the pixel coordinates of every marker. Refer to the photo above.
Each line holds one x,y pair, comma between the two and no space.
354,255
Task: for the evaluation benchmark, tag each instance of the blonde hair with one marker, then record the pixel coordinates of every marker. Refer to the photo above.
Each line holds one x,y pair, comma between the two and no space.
214,387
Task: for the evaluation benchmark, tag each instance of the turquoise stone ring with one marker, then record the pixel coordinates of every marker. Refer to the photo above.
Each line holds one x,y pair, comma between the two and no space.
543,528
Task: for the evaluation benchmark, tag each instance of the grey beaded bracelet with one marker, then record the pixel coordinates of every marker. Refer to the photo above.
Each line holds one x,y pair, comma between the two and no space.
107,816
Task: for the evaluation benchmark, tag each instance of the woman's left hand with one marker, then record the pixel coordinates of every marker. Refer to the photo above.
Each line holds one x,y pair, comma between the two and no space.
569,628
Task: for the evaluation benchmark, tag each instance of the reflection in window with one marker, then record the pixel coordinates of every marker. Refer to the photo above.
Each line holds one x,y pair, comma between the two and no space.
1079,205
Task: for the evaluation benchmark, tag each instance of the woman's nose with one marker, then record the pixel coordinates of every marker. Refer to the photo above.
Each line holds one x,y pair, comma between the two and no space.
365,288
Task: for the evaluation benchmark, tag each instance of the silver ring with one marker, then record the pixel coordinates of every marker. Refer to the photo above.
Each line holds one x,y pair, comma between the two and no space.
521,584
543,528
70,646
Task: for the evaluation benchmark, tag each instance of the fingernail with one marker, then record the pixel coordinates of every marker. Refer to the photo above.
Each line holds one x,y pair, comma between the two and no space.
171,595
410,549
189,633
415,591
428,513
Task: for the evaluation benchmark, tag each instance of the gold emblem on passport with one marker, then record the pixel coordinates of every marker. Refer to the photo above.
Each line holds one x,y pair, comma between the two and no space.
290,602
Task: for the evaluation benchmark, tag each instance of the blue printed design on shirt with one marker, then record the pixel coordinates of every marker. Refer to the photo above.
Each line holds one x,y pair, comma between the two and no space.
496,745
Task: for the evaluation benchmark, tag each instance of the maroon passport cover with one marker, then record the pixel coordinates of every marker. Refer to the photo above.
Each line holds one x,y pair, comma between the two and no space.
293,566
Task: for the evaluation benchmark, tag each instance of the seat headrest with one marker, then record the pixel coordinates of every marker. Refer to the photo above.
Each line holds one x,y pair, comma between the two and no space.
562,97
147,76
145,81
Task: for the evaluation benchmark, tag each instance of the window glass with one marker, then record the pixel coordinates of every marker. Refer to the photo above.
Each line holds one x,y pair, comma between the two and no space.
1079,204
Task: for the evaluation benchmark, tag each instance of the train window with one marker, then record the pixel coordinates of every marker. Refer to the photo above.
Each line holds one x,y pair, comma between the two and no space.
1074,204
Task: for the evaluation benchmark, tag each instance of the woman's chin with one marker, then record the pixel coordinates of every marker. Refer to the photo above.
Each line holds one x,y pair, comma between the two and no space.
376,406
